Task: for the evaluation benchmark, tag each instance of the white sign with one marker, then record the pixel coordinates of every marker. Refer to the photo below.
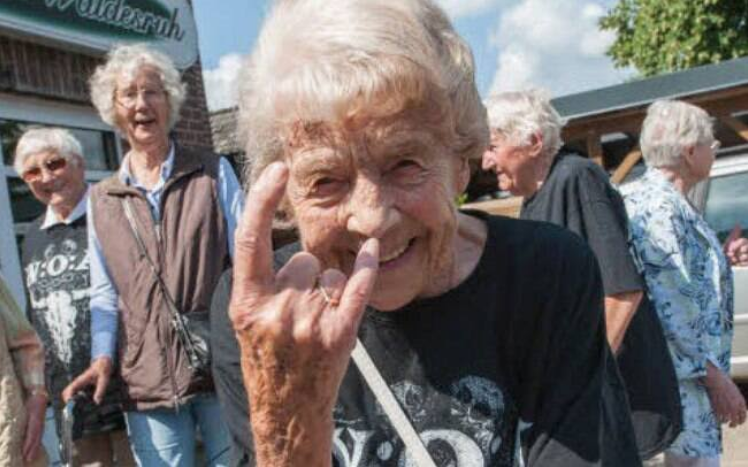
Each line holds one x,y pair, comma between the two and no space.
97,25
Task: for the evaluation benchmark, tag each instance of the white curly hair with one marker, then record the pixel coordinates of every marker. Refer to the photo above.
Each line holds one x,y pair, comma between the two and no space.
57,140
516,116
127,60
334,61
671,126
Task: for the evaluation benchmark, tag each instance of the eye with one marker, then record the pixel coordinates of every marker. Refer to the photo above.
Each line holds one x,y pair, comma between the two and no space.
327,186
406,165
405,169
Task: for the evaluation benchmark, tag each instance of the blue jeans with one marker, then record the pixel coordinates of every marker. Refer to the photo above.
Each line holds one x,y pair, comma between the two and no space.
166,437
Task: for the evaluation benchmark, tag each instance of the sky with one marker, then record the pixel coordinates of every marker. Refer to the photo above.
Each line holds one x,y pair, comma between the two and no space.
517,44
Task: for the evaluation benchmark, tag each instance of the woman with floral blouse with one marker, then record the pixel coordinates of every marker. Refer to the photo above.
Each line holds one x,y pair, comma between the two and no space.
688,277
23,398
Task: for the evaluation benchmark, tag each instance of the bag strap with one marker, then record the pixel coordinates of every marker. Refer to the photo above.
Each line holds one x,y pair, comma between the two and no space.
177,317
401,423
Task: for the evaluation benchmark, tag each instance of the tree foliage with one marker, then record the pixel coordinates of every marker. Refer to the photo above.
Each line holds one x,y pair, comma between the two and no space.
658,36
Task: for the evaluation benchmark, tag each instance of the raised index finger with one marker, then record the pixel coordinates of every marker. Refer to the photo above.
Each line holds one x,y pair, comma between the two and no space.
253,257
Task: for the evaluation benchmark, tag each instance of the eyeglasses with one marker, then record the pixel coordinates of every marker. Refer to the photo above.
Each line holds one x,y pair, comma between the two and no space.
33,174
716,144
129,98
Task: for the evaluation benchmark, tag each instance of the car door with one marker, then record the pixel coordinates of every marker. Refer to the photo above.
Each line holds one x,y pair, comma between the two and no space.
724,201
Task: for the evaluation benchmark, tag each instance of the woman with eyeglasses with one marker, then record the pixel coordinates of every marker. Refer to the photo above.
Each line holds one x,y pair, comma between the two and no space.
688,277
160,234
57,278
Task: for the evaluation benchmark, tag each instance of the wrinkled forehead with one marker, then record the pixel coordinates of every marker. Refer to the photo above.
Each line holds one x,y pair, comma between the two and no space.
371,140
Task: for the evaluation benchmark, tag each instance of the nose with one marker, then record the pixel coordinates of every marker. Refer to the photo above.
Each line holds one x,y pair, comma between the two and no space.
47,175
370,209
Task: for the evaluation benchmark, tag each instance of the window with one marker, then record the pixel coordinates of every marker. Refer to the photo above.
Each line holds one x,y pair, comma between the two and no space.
727,203
102,152
99,148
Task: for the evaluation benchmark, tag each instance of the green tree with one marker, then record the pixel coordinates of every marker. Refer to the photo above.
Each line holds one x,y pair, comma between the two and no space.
658,36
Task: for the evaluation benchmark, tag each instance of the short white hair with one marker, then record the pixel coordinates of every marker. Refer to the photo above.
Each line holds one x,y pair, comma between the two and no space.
517,116
336,60
127,60
57,140
670,127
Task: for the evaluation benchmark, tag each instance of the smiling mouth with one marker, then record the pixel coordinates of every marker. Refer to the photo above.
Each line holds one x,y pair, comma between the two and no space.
144,122
394,255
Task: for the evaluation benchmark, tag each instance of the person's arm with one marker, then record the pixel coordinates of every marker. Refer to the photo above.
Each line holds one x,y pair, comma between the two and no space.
104,297
27,354
104,320
682,292
619,311
231,197
295,343
605,226
724,396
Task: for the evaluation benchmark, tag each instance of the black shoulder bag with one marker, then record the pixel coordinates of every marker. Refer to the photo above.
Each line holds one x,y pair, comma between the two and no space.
193,329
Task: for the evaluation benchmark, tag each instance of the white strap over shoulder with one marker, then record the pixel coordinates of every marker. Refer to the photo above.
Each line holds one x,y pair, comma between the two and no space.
391,407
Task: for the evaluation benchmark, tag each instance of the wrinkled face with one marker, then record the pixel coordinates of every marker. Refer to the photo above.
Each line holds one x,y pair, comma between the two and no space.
142,107
54,180
393,181
514,165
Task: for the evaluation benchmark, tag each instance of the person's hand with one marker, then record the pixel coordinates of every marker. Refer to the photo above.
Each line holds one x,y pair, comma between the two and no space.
36,406
736,248
97,375
296,331
727,402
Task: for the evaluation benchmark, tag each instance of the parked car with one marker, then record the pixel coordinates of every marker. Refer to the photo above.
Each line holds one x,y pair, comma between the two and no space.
723,199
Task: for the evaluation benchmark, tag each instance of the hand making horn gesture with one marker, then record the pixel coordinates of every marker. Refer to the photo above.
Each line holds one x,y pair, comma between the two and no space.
296,330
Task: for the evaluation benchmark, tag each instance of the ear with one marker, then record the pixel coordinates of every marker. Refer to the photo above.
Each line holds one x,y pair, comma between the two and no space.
688,155
535,147
462,175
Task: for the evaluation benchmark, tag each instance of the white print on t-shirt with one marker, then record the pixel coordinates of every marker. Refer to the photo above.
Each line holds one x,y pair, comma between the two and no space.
56,282
469,434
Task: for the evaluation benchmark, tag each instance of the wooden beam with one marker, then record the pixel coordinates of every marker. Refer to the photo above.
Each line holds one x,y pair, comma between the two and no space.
625,166
595,148
737,125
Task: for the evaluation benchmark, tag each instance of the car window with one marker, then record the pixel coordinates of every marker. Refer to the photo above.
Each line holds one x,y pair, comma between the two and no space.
727,203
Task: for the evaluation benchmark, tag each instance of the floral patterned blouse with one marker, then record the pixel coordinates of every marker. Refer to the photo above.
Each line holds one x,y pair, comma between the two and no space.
689,281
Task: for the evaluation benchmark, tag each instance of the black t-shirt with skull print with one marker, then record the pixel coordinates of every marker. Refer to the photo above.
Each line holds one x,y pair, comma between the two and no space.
57,278
512,344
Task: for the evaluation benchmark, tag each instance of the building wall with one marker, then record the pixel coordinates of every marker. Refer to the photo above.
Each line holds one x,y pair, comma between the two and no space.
54,73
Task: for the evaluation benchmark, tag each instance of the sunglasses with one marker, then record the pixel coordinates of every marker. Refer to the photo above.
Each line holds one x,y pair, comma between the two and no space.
33,174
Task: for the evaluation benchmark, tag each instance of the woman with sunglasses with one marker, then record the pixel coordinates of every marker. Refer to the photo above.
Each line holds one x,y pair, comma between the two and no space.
57,277
161,233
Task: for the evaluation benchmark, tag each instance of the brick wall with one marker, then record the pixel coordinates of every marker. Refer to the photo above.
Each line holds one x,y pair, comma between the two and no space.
53,73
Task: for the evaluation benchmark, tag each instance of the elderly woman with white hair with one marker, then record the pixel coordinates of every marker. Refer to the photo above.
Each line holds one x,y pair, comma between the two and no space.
688,277
361,117
160,232
574,192
57,278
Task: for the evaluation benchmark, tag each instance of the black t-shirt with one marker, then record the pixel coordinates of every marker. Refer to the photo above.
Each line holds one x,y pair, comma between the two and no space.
57,278
521,338
577,195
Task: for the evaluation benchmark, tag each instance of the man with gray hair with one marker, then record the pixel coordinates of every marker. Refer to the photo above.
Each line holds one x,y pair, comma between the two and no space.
575,193
57,277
